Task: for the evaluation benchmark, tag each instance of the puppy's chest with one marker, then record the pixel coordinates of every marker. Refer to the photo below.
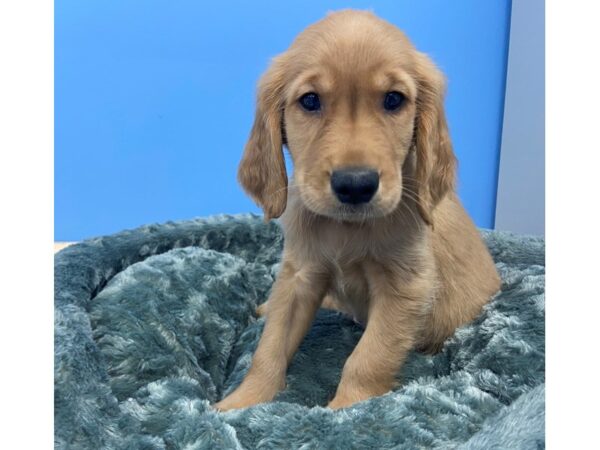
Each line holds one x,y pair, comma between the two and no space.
349,280
350,262
350,286
351,255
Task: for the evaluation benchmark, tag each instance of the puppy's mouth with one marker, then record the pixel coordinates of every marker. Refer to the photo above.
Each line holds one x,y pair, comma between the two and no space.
328,205
355,189
354,194
357,213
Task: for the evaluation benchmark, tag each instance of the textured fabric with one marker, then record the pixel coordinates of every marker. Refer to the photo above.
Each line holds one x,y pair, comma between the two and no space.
155,324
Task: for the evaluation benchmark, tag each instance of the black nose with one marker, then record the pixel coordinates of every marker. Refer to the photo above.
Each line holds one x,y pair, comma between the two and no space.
355,185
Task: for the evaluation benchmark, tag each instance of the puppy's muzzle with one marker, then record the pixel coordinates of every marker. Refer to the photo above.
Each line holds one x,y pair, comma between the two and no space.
355,185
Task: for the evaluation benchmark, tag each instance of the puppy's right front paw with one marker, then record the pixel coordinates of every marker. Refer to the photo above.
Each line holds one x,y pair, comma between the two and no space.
261,310
237,400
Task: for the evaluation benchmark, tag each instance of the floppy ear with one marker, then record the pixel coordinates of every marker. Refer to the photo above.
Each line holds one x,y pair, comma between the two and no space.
436,163
262,171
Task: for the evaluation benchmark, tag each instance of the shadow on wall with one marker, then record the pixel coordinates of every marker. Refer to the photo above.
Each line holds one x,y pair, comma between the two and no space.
521,200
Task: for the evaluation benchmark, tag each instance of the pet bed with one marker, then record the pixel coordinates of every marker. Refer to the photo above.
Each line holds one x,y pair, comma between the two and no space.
155,324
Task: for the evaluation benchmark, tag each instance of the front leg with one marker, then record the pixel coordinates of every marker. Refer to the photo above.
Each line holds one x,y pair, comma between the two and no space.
398,305
293,303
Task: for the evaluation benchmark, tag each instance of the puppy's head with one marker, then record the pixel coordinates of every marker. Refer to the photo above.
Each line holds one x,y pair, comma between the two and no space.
351,99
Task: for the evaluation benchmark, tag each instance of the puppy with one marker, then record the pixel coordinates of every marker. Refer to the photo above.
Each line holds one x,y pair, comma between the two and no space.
371,219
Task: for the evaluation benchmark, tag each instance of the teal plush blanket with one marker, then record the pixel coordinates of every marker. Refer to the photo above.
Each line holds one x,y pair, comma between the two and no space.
155,324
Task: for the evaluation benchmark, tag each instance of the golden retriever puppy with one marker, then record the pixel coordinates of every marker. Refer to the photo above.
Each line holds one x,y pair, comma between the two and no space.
371,220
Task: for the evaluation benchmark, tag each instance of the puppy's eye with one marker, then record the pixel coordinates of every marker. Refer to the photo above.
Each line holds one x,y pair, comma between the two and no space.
393,101
310,102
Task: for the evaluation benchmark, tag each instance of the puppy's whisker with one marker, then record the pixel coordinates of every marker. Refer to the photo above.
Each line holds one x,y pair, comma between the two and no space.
406,206
285,188
413,215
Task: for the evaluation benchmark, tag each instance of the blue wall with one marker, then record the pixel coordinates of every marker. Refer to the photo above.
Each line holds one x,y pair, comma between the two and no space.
154,100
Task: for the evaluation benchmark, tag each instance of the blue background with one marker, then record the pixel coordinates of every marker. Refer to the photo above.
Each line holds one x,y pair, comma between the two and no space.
154,100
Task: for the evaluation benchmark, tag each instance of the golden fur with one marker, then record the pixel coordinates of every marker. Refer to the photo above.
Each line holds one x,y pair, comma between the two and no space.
409,264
